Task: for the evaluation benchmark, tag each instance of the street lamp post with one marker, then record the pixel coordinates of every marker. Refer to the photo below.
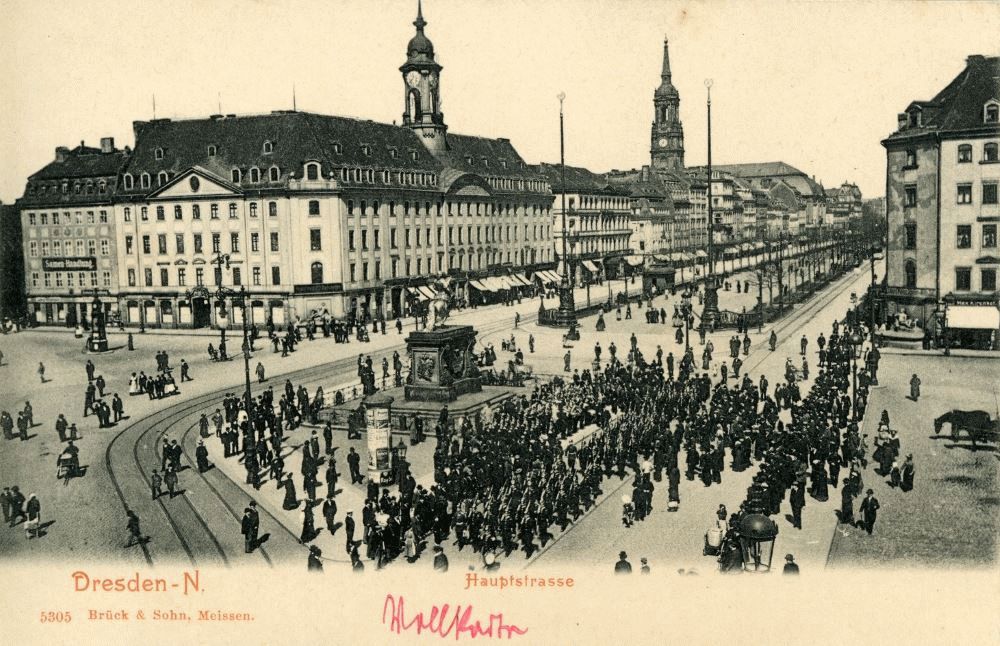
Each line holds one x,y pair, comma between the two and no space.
871,298
567,309
711,308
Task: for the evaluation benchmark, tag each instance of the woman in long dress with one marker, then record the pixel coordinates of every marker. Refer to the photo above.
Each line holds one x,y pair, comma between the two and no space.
410,541
133,385
308,524
291,502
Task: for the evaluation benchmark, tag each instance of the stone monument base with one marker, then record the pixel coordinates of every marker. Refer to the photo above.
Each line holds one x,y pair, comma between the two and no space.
442,364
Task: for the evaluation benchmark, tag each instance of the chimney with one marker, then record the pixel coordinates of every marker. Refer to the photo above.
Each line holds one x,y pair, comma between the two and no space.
61,153
107,144
901,120
975,58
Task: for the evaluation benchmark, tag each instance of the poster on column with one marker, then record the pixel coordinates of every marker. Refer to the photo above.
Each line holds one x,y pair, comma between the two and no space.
379,438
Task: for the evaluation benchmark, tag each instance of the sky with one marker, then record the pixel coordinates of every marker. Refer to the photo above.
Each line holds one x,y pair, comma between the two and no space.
814,84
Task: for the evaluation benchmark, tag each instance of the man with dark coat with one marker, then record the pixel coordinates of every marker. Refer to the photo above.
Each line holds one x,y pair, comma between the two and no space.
623,566
331,479
869,511
248,530
847,503
330,513
354,465
798,500
349,530
440,560
791,567
201,457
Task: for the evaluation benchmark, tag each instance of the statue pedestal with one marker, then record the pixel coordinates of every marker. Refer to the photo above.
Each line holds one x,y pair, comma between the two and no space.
96,344
442,364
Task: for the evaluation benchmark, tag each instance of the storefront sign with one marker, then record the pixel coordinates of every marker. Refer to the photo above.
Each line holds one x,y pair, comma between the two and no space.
80,263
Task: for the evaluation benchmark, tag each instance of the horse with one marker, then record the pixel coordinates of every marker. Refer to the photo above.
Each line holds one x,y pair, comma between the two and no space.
437,312
977,423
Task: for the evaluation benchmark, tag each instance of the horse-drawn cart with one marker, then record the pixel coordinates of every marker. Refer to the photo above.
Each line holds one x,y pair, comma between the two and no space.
977,424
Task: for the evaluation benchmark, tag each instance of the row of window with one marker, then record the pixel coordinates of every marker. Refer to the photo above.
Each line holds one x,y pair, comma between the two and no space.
990,155
963,193
79,188
449,208
61,248
213,209
444,263
69,279
181,276
494,234
68,218
197,238
963,237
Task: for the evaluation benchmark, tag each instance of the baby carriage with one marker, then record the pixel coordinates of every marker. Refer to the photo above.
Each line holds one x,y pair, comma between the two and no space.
67,466
713,539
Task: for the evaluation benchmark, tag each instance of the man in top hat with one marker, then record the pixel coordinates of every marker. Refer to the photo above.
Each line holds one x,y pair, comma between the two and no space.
623,566
250,526
791,567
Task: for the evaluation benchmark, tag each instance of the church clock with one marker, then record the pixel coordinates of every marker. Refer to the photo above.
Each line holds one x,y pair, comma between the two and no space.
662,142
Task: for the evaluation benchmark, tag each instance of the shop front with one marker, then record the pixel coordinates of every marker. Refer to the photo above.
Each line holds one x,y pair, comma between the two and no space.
972,324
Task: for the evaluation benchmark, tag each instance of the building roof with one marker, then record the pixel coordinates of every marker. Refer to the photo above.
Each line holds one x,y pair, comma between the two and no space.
579,180
959,106
295,138
807,186
82,161
486,157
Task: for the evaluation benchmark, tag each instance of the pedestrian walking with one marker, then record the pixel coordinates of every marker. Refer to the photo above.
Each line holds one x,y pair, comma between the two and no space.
914,387
33,517
135,536
155,483
249,527
41,371
623,566
791,567
440,560
170,479
869,511
313,563
354,466
185,376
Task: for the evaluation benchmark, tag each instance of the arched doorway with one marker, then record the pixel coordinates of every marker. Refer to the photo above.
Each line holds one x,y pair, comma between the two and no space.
201,313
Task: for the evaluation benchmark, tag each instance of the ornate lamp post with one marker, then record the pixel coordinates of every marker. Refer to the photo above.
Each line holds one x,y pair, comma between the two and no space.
98,341
756,534
711,308
567,308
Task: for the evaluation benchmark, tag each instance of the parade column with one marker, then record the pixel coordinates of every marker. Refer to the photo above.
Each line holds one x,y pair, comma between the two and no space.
378,416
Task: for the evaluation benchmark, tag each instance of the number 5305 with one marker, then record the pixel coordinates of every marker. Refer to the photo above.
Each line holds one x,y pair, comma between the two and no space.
53,617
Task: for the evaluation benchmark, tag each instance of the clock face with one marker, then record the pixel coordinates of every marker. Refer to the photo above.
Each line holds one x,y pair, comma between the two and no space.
413,78
662,142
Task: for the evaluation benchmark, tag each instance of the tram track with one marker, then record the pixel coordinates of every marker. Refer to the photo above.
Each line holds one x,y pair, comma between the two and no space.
132,440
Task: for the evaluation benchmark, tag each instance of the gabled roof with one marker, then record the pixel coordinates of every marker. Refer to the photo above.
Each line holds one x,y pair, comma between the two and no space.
486,157
578,179
959,106
797,179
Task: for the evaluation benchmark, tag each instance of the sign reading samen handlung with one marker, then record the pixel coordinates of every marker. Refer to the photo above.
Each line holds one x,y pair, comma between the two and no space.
82,263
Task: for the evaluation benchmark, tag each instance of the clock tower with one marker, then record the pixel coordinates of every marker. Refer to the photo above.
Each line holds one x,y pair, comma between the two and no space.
667,136
421,88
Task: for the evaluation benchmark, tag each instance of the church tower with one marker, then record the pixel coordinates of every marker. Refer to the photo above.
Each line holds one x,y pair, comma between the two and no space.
667,136
421,86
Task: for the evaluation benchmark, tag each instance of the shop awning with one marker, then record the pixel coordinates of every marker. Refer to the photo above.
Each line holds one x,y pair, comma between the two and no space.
973,317
700,254
591,267
426,291
416,292
548,276
521,278
479,285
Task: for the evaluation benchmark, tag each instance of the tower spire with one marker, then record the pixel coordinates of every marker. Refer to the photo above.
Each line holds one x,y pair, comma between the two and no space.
419,22
665,74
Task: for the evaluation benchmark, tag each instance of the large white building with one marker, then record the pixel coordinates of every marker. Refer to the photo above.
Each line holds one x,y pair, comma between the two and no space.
317,214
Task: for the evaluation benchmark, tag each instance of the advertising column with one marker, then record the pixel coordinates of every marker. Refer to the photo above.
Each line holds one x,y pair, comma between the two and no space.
378,413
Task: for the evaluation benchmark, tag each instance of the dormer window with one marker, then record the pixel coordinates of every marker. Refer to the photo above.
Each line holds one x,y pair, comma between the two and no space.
911,158
274,174
468,159
385,177
915,121
413,155
991,113
127,181
486,162
144,180
393,153
337,148
366,150
268,147
162,178
255,175
503,163
158,153
212,150
237,176
312,171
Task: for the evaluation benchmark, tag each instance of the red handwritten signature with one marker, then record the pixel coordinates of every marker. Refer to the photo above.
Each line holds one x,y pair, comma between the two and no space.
445,621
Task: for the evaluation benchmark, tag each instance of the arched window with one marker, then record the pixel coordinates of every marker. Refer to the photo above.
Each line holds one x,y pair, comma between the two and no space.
312,171
414,109
275,174
237,176
964,154
990,153
158,153
911,274
127,181
317,273
143,180
212,150
268,147
162,178
255,174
